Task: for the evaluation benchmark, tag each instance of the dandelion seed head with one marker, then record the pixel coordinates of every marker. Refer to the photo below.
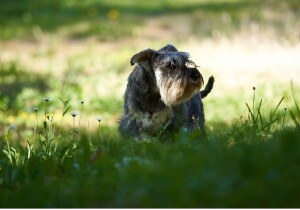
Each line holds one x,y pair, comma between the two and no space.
253,88
47,99
35,109
82,101
74,114
99,119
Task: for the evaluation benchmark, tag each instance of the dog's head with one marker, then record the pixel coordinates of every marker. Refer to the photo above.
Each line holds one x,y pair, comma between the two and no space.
177,77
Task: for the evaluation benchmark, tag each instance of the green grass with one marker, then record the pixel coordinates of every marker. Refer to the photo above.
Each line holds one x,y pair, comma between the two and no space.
254,163
112,20
182,173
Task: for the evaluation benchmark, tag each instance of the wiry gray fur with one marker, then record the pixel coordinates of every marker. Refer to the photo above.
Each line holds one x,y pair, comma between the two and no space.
145,113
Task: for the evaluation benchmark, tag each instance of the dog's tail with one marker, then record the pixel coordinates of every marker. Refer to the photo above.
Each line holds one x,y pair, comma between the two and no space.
209,86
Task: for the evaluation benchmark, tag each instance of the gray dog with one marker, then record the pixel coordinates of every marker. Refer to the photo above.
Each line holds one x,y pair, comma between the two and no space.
163,94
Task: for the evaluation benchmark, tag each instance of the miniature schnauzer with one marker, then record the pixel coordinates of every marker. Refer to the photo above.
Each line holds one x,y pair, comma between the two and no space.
163,94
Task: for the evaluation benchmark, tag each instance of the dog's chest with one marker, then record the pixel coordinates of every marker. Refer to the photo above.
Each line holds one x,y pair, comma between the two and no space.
153,123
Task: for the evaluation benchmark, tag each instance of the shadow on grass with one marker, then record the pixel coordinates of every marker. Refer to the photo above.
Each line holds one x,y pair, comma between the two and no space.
13,82
106,19
174,175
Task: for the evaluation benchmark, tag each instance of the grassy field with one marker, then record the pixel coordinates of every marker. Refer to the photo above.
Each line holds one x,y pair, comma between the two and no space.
63,71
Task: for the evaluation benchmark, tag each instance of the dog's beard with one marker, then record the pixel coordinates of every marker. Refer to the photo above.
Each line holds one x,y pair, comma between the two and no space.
174,91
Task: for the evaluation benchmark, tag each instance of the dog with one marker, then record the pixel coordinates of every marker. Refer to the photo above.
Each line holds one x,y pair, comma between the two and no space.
163,93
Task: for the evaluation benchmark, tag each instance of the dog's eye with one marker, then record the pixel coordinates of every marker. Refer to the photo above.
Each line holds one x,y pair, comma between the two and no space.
172,65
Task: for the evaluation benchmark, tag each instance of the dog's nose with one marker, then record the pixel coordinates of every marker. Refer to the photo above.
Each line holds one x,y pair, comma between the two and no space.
194,75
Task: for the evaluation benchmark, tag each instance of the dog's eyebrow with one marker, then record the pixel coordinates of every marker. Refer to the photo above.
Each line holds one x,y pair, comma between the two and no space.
185,54
191,63
185,57
181,58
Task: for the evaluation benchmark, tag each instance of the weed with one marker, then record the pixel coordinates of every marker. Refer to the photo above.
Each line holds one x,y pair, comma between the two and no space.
258,124
66,108
257,121
47,134
15,158
295,115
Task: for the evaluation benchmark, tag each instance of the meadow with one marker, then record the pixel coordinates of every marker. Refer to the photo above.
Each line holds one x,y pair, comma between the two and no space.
63,71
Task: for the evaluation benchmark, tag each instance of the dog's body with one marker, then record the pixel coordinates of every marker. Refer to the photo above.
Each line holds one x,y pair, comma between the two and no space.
163,92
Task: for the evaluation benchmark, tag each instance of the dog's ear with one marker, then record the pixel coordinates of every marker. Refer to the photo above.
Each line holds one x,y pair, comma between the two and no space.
139,81
142,57
169,47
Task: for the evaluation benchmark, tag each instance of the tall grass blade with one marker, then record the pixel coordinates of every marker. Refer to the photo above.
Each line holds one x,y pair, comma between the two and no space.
294,119
29,150
273,113
294,98
64,153
163,130
252,115
66,110
259,115
268,125
296,115
283,120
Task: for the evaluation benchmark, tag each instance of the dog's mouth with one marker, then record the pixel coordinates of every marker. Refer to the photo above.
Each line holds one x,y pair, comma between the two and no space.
180,89
193,84
189,91
194,77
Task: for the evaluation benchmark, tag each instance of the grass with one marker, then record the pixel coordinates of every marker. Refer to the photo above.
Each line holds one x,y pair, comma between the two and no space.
63,71
111,20
180,174
254,160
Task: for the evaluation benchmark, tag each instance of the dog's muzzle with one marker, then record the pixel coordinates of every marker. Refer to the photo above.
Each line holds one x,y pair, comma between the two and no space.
195,77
